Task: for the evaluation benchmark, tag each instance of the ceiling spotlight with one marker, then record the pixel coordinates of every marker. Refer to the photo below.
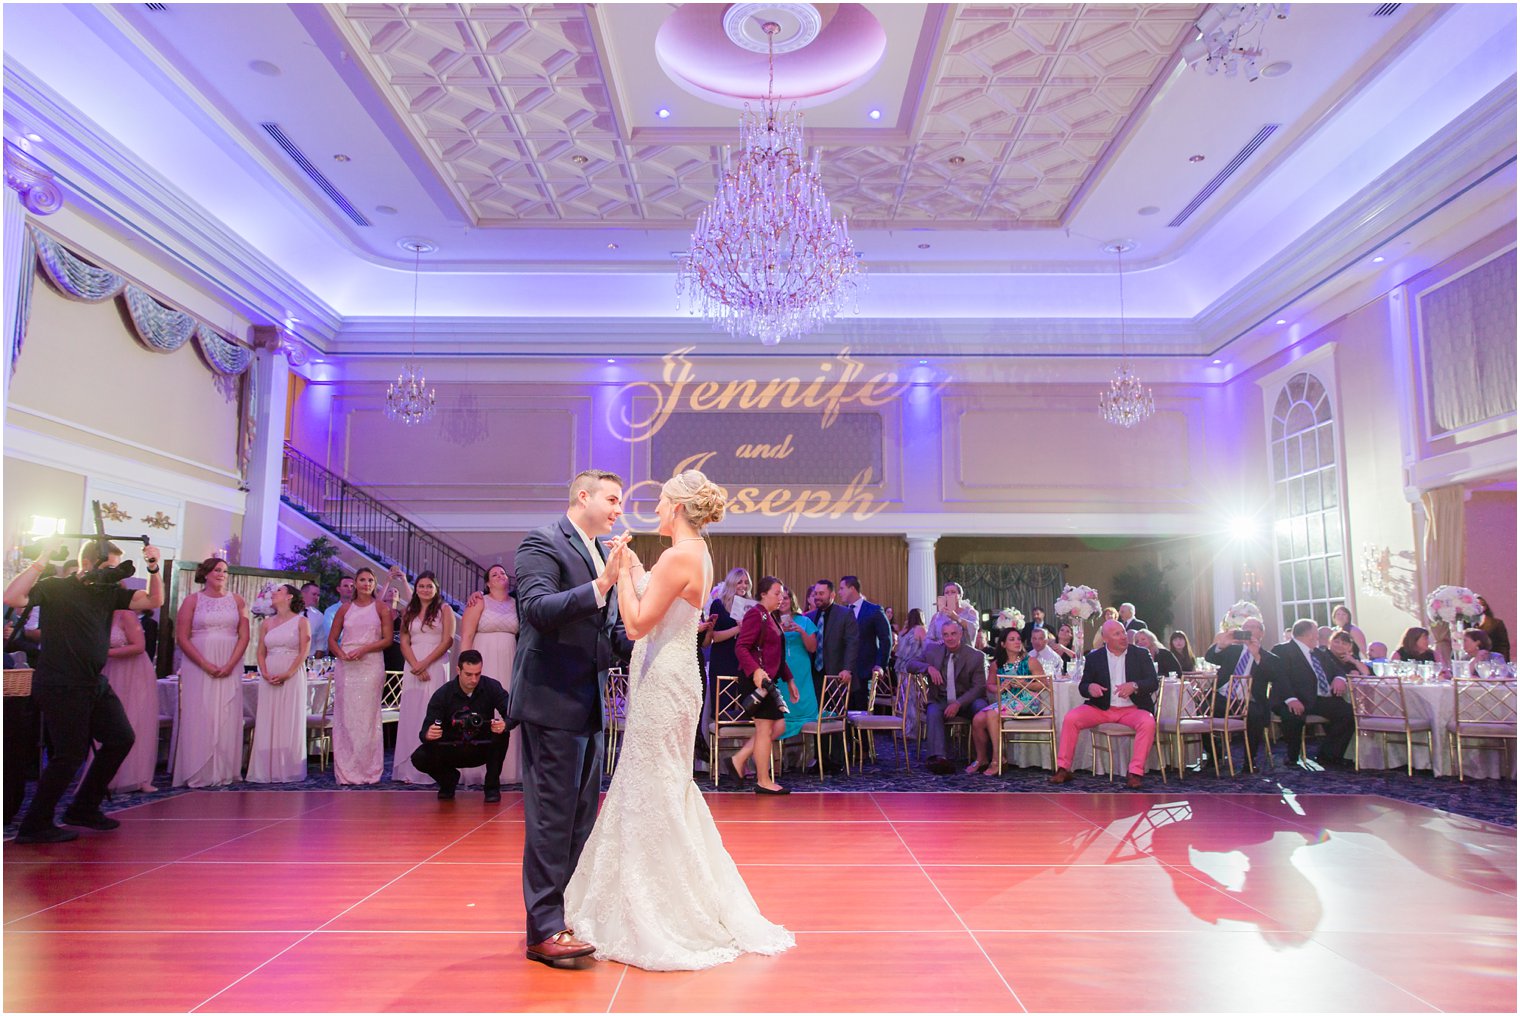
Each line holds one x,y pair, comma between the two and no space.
264,67
922,362
1150,209
957,160
662,113
579,160
1282,320
1195,158
1378,260
1276,70
923,246
34,137
340,157
612,246
1218,362
612,359
875,114
385,210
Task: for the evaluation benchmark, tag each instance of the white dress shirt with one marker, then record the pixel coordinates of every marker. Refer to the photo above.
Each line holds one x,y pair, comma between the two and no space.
596,560
1116,678
1049,660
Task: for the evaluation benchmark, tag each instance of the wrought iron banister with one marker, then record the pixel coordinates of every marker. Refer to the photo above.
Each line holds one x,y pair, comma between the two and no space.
379,530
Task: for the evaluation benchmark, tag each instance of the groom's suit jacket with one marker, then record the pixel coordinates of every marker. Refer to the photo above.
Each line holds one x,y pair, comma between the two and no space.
566,642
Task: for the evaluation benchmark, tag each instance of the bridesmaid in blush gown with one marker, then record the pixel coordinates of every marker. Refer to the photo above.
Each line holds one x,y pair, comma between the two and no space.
360,632
211,631
490,628
427,635
279,730
130,674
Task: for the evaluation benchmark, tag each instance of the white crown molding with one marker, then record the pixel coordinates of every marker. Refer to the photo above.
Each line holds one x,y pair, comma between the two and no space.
1487,459
72,457
108,183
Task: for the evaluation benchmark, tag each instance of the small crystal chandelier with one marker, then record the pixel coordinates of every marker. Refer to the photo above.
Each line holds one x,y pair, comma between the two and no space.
1224,44
767,258
410,400
1125,401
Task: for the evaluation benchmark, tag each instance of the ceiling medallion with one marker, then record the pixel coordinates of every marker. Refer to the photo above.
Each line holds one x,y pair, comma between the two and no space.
796,26
1125,402
409,399
767,258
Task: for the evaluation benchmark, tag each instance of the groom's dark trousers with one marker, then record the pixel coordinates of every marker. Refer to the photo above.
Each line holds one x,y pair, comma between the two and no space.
562,779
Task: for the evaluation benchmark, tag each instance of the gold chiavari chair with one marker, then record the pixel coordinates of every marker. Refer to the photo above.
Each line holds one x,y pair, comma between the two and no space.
1036,725
729,720
1380,710
833,718
884,697
1484,714
907,699
1109,731
390,697
1237,703
615,702
1184,715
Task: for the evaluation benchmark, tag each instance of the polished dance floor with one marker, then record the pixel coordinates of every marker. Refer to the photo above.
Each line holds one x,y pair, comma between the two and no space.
934,902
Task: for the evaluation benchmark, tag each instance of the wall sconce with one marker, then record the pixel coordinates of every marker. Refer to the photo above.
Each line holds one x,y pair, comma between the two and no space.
1250,585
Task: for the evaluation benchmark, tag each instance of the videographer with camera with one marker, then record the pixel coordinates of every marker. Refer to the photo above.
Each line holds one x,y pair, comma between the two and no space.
761,649
465,726
69,686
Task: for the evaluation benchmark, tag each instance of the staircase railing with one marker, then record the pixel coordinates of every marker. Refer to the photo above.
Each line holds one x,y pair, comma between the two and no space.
358,517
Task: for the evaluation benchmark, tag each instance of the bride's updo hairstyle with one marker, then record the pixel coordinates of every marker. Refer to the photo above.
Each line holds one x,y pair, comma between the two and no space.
702,500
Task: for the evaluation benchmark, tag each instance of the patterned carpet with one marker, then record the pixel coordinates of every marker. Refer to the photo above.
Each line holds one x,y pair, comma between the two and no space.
1487,800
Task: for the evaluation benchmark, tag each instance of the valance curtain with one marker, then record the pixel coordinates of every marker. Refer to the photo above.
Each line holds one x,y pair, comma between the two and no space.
992,587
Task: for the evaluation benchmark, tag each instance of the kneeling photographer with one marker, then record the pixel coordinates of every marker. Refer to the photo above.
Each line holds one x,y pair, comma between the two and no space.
465,726
761,649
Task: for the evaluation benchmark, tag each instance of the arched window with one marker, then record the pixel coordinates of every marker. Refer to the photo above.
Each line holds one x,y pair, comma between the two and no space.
1311,558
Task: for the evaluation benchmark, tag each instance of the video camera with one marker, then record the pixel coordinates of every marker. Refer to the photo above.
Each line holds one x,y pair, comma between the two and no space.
468,727
764,690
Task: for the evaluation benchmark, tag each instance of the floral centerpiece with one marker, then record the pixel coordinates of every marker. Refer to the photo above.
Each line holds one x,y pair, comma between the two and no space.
1080,602
263,603
1009,617
1238,614
1457,606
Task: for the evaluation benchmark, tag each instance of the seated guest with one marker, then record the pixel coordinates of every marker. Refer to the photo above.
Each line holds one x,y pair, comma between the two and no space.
1480,647
1109,614
1343,648
1306,686
1340,620
465,726
1128,619
1036,620
1018,700
911,642
1244,657
1414,647
1039,649
1182,649
957,686
1325,631
1440,643
1497,633
1065,646
1161,656
1117,682
1377,651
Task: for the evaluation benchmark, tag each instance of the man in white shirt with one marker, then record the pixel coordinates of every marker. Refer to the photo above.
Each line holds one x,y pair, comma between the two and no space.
311,597
1117,681
1039,649
345,595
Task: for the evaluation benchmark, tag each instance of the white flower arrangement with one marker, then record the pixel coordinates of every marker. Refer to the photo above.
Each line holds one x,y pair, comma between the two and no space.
263,603
1080,602
1239,613
1453,604
1009,617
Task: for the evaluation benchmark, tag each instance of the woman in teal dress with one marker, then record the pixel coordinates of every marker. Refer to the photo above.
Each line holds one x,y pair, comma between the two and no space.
801,640
1009,659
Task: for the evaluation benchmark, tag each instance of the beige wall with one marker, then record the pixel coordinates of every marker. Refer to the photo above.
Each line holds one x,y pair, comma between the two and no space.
1490,568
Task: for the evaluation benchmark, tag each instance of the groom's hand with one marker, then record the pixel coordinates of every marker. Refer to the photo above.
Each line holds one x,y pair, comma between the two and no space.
608,578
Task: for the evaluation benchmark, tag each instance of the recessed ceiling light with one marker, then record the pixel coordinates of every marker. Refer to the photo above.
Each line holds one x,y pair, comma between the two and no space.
612,359
922,362
1150,209
340,157
1276,70
1218,362
1282,320
579,160
875,114
1378,260
34,137
662,113
612,246
923,246
957,160
264,67
385,210
1195,158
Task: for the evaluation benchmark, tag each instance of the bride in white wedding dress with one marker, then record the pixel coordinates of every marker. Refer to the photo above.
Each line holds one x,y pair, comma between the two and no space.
654,887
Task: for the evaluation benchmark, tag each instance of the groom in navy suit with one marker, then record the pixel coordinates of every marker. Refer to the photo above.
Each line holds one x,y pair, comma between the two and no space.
570,636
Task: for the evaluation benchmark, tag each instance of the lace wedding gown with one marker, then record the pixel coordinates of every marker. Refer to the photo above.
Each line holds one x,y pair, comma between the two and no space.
654,887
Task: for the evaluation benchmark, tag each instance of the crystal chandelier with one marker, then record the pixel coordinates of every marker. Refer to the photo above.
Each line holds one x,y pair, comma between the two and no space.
767,258
1224,44
409,399
1125,401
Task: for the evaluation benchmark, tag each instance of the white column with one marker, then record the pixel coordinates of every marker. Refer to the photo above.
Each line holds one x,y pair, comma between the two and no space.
921,577
261,518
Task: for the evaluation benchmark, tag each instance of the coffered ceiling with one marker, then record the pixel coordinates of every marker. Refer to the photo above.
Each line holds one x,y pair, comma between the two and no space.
285,151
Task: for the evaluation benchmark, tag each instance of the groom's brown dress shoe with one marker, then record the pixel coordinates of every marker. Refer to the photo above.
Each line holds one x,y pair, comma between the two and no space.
557,948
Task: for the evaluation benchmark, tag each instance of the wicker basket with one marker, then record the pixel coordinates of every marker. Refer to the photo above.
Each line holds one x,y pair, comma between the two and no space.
18,683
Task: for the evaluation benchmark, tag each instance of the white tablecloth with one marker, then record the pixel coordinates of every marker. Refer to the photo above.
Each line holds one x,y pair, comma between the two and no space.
1436,703
168,707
